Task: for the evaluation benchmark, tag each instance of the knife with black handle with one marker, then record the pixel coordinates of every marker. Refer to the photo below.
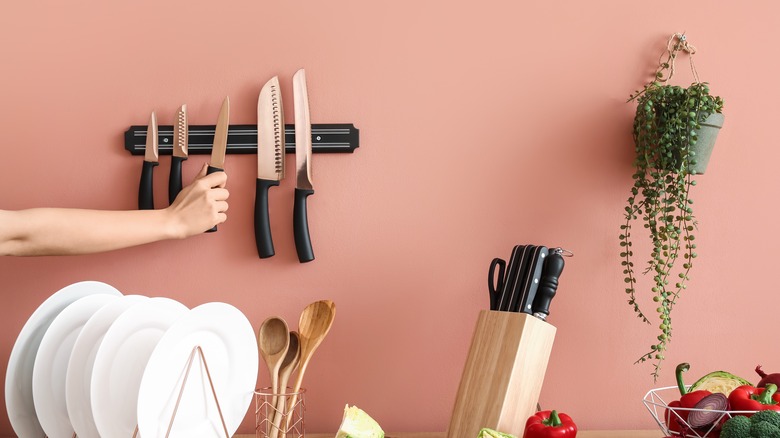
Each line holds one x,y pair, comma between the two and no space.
553,267
217,162
532,280
522,275
303,186
270,160
179,153
151,160
507,286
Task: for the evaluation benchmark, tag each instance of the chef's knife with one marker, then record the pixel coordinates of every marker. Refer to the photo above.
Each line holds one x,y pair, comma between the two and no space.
179,153
303,185
553,266
151,159
270,160
217,163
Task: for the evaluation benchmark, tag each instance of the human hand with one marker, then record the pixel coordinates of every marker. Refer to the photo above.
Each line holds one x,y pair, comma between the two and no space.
199,206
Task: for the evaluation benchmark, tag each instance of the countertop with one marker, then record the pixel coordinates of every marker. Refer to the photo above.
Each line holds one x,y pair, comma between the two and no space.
580,434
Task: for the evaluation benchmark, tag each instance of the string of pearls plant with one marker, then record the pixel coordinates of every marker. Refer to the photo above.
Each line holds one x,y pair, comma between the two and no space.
665,128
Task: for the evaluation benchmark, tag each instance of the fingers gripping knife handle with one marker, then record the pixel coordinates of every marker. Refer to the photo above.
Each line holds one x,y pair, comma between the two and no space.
209,171
548,284
301,226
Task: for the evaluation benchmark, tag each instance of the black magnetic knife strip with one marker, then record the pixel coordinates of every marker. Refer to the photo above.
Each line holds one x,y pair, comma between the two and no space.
242,139
522,274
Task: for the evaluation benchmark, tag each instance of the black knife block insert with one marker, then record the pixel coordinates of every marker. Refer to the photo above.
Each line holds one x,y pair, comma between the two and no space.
242,139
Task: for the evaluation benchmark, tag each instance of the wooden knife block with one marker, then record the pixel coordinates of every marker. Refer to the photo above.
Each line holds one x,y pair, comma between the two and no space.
503,375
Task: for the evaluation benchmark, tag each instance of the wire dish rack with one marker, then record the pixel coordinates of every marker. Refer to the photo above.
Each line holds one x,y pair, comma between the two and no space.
656,403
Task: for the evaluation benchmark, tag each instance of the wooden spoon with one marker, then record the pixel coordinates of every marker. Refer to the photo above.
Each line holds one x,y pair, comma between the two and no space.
274,340
313,325
289,365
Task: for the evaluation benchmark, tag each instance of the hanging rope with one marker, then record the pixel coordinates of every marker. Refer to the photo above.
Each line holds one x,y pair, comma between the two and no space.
677,43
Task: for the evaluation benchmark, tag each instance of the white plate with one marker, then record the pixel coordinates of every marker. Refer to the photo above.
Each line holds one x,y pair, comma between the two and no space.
18,377
82,360
120,362
51,363
228,343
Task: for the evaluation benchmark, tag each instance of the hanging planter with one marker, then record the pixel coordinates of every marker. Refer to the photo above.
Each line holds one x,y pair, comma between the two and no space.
674,131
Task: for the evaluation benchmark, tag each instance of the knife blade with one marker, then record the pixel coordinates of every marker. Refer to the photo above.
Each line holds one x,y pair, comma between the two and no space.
151,159
270,160
217,162
180,134
303,185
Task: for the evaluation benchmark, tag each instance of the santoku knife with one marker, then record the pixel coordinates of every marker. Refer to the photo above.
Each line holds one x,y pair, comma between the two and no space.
151,159
179,153
270,160
217,162
303,185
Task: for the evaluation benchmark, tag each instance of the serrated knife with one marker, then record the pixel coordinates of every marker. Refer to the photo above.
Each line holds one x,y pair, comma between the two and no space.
179,153
217,162
151,159
303,185
270,160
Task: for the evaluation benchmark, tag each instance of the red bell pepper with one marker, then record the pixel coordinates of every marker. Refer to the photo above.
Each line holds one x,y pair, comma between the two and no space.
687,400
550,424
750,398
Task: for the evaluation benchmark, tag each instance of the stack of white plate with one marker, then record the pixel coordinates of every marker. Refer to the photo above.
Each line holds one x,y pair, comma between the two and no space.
96,363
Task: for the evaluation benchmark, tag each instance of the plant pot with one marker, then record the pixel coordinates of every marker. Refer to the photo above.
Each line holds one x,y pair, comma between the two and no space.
705,142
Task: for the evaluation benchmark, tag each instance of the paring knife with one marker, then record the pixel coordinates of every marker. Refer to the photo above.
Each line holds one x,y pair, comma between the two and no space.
151,159
270,160
217,162
179,153
303,185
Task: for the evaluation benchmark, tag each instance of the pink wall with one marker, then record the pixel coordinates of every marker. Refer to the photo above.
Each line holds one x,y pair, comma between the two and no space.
483,125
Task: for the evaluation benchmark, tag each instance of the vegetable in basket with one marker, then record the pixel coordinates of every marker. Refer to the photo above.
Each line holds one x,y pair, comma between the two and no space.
750,398
676,419
550,424
767,378
763,424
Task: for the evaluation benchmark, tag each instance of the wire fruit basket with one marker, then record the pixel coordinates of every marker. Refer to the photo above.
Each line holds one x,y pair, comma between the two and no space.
656,403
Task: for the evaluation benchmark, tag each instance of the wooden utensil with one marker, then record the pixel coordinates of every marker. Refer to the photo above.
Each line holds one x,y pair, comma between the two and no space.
289,365
313,325
273,339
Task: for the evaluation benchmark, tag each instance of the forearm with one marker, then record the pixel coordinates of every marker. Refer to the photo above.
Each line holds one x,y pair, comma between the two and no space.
62,231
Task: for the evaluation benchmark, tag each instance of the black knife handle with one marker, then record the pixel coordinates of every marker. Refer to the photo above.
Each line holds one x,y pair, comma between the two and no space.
145,189
553,267
174,179
301,226
265,244
209,171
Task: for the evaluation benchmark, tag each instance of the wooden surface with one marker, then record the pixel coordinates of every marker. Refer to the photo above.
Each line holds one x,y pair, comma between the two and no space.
580,434
503,375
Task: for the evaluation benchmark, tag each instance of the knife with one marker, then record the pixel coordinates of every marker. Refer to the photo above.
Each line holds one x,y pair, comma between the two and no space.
532,281
270,160
303,185
217,162
151,159
553,267
179,153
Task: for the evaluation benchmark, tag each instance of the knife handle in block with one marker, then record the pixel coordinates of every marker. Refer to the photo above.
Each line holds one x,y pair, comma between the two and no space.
209,171
301,226
553,266
265,243
145,189
174,179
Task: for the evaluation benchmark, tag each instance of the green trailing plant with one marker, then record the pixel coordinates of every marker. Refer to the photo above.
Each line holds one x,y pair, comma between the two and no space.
665,127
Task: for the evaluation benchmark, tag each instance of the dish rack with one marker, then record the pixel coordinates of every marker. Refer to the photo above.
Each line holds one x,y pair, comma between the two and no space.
656,403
